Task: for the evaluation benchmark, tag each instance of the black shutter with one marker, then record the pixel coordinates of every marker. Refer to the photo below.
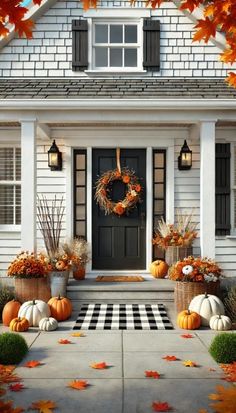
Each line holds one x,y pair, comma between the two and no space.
79,44
223,189
151,44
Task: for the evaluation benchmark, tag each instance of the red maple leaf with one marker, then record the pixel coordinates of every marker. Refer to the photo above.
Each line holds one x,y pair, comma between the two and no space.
187,336
78,384
24,28
99,366
170,358
16,387
32,363
38,2
205,29
64,341
152,374
161,407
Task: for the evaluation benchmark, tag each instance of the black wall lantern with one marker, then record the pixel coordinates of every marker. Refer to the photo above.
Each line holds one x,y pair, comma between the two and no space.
185,157
54,158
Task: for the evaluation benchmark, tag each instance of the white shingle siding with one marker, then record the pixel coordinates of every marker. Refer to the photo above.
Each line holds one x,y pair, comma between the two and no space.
52,42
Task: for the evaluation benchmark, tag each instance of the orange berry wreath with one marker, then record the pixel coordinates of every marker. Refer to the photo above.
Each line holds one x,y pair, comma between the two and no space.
132,196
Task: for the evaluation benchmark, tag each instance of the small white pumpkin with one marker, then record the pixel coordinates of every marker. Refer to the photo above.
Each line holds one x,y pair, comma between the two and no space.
220,323
206,306
48,324
34,311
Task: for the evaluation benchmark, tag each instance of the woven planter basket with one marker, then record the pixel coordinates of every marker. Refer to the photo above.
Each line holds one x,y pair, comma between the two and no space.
174,254
27,289
186,291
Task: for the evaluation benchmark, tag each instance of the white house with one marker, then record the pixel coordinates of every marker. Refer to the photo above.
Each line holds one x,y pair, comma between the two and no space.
116,77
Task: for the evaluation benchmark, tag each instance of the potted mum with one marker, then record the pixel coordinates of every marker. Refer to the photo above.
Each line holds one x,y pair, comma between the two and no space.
31,281
194,276
176,239
77,250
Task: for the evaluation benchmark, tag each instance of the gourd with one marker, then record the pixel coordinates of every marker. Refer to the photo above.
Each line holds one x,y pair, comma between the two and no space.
158,268
220,323
34,311
10,311
19,324
48,324
189,320
60,307
207,306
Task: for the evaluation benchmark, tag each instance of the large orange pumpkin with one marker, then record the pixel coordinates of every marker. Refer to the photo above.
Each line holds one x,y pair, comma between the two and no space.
10,311
19,324
158,268
189,320
60,307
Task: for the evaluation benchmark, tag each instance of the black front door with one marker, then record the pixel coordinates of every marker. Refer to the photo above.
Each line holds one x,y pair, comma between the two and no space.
119,243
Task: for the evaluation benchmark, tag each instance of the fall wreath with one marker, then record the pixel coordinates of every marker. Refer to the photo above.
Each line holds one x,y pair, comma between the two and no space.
103,189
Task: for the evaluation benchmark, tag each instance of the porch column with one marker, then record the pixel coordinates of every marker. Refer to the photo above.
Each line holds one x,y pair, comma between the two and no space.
207,188
28,184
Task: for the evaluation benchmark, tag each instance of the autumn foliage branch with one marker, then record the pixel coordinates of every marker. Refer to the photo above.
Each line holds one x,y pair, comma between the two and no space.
218,16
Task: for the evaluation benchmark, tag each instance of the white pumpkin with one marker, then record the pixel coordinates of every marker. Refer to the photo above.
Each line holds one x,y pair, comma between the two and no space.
206,306
48,324
220,323
34,311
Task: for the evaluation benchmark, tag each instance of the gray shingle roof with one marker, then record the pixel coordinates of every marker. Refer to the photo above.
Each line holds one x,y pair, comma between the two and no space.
115,88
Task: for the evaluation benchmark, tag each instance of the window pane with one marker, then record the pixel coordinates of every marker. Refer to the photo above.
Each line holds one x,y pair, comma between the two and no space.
130,57
80,228
6,195
159,191
101,56
80,212
115,57
159,207
116,33
18,195
18,215
80,195
18,164
159,175
6,164
6,215
130,34
80,161
101,33
159,160
80,178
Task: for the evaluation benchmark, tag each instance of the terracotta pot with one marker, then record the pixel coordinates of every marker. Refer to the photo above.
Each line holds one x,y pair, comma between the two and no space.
185,291
79,273
27,289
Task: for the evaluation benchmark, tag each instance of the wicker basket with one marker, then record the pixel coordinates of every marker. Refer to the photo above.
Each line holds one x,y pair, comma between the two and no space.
186,291
174,254
27,289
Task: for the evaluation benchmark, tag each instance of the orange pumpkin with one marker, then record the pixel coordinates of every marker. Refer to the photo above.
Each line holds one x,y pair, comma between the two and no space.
19,324
158,268
10,311
189,320
60,307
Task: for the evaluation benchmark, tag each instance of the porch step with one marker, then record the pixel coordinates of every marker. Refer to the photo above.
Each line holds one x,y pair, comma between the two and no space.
146,291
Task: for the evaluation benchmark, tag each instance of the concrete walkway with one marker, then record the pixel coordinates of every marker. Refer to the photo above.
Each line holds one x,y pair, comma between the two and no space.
121,388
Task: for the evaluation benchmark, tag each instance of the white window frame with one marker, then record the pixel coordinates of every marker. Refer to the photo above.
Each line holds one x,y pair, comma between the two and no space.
14,226
139,45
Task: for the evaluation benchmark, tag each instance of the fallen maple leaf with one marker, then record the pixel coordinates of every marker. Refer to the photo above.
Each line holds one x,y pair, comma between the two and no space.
44,406
7,407
211,369
99,366
64,341
202,411
78,384
152,374
186,336
32,363
78,335
170,358
189,363
16,387
161,407
230,371
225,399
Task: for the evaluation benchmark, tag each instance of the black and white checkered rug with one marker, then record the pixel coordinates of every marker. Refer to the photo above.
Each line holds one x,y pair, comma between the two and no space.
122,317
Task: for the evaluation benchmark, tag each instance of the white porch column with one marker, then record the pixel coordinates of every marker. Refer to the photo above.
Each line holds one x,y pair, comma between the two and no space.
28,184
207,188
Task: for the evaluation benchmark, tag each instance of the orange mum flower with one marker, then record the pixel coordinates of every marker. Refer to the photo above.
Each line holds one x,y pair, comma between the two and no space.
119,209
126,179
138,188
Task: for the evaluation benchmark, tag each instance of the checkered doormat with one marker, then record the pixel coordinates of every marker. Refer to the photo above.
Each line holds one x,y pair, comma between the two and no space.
122,317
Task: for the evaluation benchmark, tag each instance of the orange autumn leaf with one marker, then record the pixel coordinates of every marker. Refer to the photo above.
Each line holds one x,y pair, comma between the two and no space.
64,341
78,384
189,5
152,374
89,3
189,363
43,406
99,366
170,358
161,407
7,407
24,28
16,387
228,56
187,336
230,372
32,364
231,79
225,399
205,29
78,335
38,2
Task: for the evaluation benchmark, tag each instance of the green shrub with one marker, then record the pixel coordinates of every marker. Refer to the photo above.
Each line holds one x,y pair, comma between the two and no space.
6,295
13,348
223,348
